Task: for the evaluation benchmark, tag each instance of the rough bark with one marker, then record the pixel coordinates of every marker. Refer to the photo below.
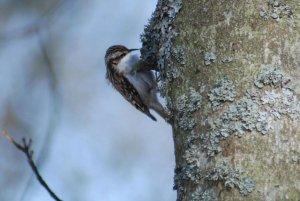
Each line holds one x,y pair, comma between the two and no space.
230,74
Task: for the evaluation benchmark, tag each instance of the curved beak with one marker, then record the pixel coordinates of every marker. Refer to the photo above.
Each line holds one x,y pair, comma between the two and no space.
130,50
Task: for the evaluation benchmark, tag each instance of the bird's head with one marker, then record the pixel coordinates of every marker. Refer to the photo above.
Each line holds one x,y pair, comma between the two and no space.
115,53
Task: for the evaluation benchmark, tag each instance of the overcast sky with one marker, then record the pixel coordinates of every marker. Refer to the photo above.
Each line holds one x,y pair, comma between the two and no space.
99,147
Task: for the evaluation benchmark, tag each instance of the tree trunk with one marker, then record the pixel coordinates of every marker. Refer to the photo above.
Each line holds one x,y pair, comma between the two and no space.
230,76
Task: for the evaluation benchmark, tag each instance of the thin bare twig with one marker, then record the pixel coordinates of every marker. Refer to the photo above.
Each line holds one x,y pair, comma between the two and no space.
26,149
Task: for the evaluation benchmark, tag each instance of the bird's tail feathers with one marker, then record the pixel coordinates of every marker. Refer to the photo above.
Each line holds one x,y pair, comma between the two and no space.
157,107
150,115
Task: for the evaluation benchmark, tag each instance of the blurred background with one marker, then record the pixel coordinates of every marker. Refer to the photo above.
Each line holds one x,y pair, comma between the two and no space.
89,143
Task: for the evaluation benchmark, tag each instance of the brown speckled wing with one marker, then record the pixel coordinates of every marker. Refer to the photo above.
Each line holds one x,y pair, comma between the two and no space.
128,91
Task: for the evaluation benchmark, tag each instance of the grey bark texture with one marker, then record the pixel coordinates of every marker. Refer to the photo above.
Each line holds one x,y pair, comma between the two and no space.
230,74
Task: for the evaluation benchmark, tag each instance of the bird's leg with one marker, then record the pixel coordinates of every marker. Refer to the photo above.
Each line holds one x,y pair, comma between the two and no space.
157,77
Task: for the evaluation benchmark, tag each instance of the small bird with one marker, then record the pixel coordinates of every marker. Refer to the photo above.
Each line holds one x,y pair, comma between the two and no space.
137,87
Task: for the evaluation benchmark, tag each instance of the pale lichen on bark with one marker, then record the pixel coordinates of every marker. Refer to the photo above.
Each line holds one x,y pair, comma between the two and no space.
226,75
223,91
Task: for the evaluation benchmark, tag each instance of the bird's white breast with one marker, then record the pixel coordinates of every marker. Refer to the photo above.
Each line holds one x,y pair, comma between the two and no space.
127,63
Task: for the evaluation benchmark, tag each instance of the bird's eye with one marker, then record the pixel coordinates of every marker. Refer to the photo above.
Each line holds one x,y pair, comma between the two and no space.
122,55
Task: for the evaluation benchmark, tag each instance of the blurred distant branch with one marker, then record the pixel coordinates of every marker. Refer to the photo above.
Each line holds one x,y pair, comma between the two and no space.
39,29
35,25
47,59
43,41
26,149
